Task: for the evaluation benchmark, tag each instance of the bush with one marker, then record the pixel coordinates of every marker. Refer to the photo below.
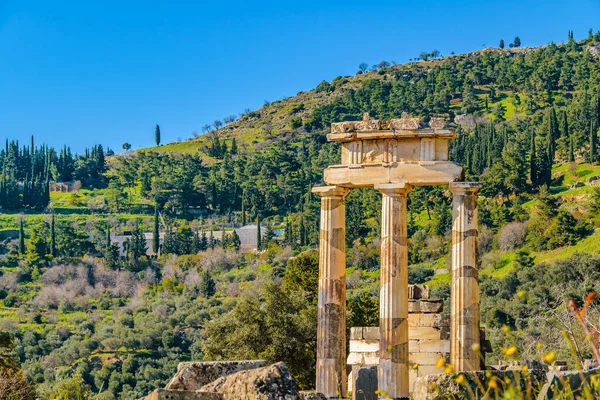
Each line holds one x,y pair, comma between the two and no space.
296,123
418,275
511,236
12,300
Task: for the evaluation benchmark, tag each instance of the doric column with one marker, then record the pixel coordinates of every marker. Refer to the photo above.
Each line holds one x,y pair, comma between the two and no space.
464,295
393,310
331,333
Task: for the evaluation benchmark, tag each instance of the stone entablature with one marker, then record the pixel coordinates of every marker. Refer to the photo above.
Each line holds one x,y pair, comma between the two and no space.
390,151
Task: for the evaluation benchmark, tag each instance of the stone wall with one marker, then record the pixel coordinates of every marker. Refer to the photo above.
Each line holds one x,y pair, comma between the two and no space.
428,334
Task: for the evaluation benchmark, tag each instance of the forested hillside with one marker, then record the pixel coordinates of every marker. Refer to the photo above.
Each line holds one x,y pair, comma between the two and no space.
80,313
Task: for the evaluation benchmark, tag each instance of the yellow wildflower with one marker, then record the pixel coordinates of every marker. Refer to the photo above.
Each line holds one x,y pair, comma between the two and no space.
550,357
440,362
460,379
449,369
511,351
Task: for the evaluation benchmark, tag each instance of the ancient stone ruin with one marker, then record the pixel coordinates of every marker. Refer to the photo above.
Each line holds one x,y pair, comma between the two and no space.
393,156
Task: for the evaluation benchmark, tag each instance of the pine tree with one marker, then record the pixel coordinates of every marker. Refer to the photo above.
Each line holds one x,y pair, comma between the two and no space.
234,241
501,43
36,250
207,285
157,135
137,244
258,234
268,236
156,233
112,256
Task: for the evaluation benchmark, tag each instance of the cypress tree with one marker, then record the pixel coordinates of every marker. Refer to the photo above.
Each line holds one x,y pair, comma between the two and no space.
302,231
243,210
554,133
533,171
157,135
233,146
549,160
203,241
565,125
53,236
258,234
211,239
571,150
21,238
592,155
156,233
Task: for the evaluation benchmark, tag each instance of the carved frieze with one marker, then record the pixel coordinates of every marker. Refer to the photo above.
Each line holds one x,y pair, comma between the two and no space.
405,123
437,123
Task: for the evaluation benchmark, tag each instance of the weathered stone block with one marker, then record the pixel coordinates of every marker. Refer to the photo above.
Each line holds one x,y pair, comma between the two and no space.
364,358
418,292
414,320
165,394
356,333
371,333
434,346
424,358
365,384
425,306
273,382
434,320
431,306
424,333
413,346
194,375
364,346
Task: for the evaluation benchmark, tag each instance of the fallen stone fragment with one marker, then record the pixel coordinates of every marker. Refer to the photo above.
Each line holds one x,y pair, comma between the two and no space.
268,383
193,375
165,394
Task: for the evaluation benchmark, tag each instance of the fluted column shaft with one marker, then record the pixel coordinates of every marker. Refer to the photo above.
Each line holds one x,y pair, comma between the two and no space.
331,333
393,309
464,295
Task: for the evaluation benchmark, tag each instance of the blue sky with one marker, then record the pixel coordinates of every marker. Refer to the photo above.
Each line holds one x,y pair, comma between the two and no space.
81,72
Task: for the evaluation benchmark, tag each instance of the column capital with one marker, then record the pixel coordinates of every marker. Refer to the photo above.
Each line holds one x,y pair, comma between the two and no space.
392,189
331,191
465,187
